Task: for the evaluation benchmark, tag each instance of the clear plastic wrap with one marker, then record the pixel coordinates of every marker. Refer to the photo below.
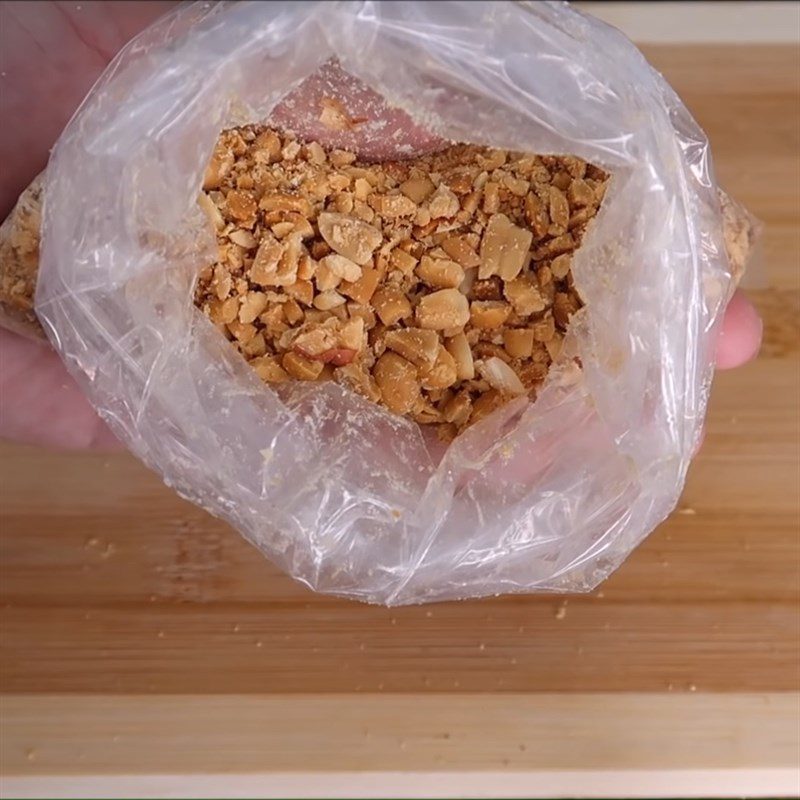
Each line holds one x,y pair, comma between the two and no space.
343,495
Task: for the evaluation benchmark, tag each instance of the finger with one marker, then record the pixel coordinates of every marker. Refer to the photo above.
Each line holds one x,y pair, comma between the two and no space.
41,404
377,130
50,55
740,338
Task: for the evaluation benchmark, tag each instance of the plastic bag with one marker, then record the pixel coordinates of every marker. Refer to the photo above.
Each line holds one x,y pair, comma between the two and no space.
348,498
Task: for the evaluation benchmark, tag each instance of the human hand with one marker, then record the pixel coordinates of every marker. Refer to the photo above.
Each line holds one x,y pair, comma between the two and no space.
50,55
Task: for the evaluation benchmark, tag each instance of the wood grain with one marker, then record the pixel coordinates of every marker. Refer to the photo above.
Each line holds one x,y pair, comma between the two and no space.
377,732
113,584
113,588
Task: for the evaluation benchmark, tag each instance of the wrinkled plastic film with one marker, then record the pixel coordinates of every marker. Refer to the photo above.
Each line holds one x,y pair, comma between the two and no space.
345,496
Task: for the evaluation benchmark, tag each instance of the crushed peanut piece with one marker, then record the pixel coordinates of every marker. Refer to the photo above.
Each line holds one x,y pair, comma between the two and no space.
420,347
334,116
440,273
350,237
447,308
391,304
459,348
488,313
503,248
439,287
418,189
444,203
500,376
518,342
398,382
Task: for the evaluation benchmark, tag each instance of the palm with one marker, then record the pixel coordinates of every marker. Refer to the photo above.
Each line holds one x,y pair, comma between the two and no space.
50,55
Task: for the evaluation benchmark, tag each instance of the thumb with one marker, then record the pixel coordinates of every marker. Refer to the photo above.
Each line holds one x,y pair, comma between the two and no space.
40,403
338,110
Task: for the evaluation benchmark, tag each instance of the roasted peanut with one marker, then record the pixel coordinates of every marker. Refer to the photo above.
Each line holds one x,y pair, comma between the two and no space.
391,305
446,308
397,381
439,287
417,345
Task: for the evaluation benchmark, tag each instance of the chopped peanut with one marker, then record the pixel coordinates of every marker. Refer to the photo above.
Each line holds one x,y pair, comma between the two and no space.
397,205
503,248
425,412
283,201
324,277
440,287
242,332
492,159
446,308
269,369
559,209
306,267
343,268
314,340
500,376
403,261
525,296
351,335
219,166
488,313
554,346
518,342
491,197
241,205
253,303
211,211
458,408
268,142
397,381
304,369
221,282
257,346
555,247
485,404
417,345
459,249
440,273
418,190
489,289
302,291
265,264
580,194
442,373
561,265
350,237
362,290
364,313
293,313
458,347
391,305
359,380
224,311
564,306
316,153
536,215
444,203
544,329
242,237
325,301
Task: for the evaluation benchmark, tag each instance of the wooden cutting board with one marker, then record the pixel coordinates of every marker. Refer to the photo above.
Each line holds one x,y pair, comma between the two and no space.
141,636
